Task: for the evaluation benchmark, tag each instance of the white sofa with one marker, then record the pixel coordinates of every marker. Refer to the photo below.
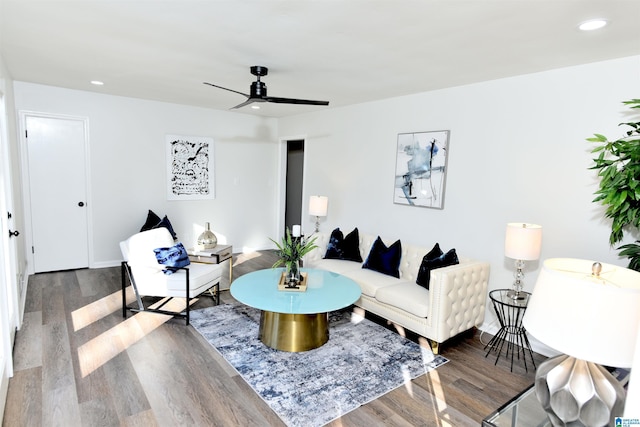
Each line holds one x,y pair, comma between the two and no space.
455,301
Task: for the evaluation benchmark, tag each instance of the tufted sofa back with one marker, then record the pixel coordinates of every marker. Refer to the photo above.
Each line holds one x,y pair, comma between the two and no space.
409,263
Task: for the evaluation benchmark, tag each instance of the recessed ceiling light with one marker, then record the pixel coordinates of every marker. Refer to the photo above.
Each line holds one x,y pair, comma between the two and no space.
593,24
97,82
255,107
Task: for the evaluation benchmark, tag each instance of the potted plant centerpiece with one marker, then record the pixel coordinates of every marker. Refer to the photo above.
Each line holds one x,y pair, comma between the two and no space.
290,251
618,166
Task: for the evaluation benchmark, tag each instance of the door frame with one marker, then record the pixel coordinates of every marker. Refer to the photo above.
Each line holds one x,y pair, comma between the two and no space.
282,178
26,185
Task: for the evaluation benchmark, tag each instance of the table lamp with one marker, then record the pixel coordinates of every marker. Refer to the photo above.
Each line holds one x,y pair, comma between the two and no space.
318,207
522,242
590,312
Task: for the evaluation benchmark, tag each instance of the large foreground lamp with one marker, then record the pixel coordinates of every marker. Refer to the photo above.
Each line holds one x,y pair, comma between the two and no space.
590,312
318,207
522,242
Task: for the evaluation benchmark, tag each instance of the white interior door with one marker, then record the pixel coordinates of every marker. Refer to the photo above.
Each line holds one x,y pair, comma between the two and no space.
8,288
58,192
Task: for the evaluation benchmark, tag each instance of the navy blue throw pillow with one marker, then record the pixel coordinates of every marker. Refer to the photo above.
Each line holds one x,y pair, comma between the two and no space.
435,259
172,258
167,224
344,247
153,221
383,259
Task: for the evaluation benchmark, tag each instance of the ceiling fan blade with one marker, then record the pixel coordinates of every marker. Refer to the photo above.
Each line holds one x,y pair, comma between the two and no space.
230,90
247,102
294,101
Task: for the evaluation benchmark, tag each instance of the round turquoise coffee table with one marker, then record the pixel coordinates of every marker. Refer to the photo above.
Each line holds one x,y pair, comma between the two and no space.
295,320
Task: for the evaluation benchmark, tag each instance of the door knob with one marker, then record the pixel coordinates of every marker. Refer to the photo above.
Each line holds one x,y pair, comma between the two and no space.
14,233
81,204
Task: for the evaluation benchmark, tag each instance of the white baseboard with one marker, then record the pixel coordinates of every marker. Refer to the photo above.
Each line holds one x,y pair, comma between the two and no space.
105,264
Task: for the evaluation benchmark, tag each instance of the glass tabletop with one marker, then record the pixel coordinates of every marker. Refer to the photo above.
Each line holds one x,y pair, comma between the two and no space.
524,410
326,291
503,296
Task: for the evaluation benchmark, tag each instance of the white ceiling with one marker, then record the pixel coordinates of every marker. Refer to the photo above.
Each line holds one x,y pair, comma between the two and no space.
346,52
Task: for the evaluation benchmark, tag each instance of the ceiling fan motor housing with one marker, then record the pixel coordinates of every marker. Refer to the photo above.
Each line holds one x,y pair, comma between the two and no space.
258,90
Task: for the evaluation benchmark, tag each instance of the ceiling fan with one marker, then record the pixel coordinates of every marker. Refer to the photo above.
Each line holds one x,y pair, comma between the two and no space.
258,92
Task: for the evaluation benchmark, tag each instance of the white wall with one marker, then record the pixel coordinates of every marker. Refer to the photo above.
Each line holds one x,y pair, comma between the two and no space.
517,153
128,167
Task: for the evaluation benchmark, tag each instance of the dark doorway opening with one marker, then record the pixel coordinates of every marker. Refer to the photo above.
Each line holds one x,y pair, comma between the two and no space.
295,169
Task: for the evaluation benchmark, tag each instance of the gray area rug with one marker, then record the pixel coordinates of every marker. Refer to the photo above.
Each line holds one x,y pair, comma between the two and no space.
361,362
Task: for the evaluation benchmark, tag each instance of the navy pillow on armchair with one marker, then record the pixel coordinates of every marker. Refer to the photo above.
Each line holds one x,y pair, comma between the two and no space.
344,247
154,221
383,259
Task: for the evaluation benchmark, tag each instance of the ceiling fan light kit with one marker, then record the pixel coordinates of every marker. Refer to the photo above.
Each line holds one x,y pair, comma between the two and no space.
258,92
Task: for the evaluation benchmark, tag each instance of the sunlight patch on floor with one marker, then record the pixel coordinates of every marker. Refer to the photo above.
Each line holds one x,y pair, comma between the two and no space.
440,399
357,315
103,307
101,349
406,376
246,255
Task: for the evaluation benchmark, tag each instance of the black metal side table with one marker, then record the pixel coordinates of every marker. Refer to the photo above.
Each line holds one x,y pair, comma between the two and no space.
510,312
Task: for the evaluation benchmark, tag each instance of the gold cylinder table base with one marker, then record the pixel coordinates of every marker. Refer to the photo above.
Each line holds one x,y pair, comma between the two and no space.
293,332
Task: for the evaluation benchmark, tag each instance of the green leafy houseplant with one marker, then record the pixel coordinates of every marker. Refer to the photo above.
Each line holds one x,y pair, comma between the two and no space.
618,166
291,250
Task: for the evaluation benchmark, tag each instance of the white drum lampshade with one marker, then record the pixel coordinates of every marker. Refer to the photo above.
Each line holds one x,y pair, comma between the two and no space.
318,206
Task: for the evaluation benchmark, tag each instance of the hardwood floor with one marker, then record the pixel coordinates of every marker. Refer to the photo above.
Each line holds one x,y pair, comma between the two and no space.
79,363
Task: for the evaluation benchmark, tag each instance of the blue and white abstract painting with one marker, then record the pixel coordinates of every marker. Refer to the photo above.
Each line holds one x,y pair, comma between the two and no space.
421,166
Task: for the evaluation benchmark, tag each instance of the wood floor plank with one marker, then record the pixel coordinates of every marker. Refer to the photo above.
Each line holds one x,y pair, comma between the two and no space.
36,282
79,362
28,342
57,369
99,412
141,419
24,399
60,407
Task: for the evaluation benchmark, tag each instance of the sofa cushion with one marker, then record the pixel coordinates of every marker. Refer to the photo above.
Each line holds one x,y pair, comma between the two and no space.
344,247
435,259
407,296
335,265
370,281
383,259
201,278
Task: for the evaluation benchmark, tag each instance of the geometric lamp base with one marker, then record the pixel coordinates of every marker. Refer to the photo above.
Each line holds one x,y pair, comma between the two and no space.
578,393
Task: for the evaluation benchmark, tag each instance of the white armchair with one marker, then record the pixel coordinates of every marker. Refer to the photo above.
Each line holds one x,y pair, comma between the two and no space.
141,269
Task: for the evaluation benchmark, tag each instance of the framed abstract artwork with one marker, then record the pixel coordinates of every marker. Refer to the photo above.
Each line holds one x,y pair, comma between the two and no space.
421,168
190,173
